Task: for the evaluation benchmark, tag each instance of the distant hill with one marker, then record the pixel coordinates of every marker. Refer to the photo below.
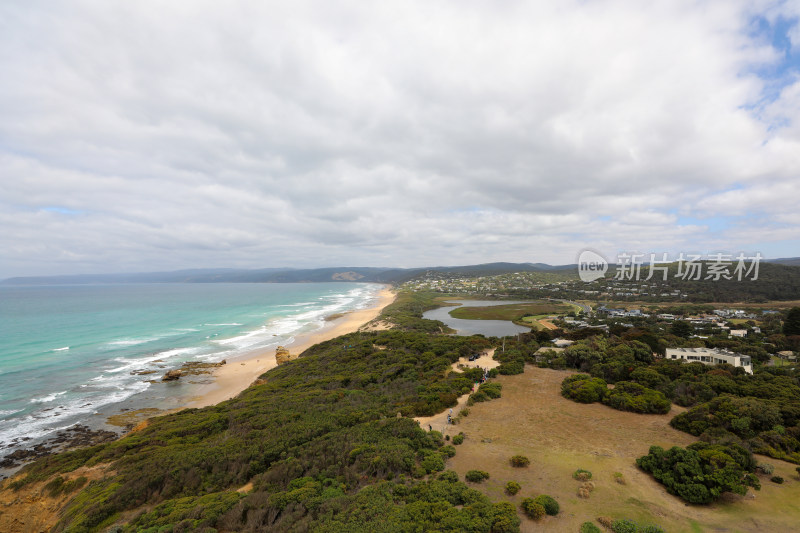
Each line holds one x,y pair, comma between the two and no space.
788,261
286,275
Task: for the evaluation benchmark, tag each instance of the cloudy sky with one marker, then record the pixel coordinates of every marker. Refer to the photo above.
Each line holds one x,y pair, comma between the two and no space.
152,135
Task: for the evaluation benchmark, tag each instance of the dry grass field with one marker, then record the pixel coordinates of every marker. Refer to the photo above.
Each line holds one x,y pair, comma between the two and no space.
560,436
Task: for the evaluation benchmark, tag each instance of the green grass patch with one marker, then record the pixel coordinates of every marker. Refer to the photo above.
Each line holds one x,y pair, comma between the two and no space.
510,311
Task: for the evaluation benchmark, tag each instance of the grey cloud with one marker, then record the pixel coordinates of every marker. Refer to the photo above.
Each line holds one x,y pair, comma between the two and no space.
272,134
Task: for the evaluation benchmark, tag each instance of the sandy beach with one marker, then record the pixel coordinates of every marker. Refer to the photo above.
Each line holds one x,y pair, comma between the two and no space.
237,375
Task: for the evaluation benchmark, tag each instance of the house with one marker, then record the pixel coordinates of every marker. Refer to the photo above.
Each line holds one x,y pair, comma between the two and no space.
738,333
562,343
711,356
788,355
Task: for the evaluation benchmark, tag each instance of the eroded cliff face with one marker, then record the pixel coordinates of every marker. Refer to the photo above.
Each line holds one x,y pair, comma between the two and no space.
37,506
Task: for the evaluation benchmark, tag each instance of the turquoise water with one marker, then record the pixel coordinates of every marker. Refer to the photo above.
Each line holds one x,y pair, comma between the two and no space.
69,352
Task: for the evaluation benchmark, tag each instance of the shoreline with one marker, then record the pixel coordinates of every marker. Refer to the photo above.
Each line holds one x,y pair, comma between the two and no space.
231,379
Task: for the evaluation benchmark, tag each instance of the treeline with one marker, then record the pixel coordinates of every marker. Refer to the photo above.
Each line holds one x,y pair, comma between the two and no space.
325,441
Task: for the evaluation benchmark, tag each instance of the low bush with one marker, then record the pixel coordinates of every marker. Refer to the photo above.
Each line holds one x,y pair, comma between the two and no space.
449,475
582,475
651,528
492,390
448,451
549,503
583,388
630,396
766,468
701,472
458,439
776,479
433,462
618,477
476,476
532,509
520,461
589,527
505,518
512,487
624,526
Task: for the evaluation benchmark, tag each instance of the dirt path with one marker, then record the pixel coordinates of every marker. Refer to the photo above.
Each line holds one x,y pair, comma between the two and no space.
546,323
438,422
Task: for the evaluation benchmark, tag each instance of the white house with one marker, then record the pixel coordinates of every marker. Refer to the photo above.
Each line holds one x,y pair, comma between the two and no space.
738,333
711,356
562,343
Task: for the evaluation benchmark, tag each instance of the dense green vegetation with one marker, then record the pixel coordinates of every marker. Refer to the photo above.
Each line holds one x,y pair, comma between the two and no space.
510,311
325,441
625,396
701,472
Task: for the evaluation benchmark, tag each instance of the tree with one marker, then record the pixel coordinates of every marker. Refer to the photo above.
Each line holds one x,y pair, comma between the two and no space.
681,328
792,324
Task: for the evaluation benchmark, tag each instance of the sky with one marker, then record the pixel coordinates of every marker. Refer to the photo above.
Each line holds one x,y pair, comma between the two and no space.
150,135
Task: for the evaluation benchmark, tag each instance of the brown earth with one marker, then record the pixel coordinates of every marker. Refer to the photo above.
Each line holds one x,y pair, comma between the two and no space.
31,509
560,436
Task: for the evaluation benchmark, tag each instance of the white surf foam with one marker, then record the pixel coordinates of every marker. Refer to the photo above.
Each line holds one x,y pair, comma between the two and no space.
48,398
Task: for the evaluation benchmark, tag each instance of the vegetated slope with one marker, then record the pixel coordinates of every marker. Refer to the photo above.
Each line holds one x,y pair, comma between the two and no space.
322,440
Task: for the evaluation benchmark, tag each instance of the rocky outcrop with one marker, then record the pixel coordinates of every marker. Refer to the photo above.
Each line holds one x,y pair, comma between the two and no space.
282,355
172,375
191,368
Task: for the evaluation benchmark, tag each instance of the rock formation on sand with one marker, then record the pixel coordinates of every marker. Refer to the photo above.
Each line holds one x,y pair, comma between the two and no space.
282,355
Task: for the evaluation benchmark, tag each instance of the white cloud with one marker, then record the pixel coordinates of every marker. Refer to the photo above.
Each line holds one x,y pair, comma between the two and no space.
400,133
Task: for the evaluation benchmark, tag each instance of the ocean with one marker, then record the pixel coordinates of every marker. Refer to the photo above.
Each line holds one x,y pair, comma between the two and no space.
70,353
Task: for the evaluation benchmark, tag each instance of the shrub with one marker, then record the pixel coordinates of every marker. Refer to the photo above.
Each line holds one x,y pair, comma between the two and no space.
583,388
701,472
588,485
619,478
433,462
505,518
589,527
449,476
517,366
651,528
532,509
624,526
448,450
766,468
583,493
458,439
512,487
476,476
549,503
492,390
630,396
582,475
520,461
776,479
